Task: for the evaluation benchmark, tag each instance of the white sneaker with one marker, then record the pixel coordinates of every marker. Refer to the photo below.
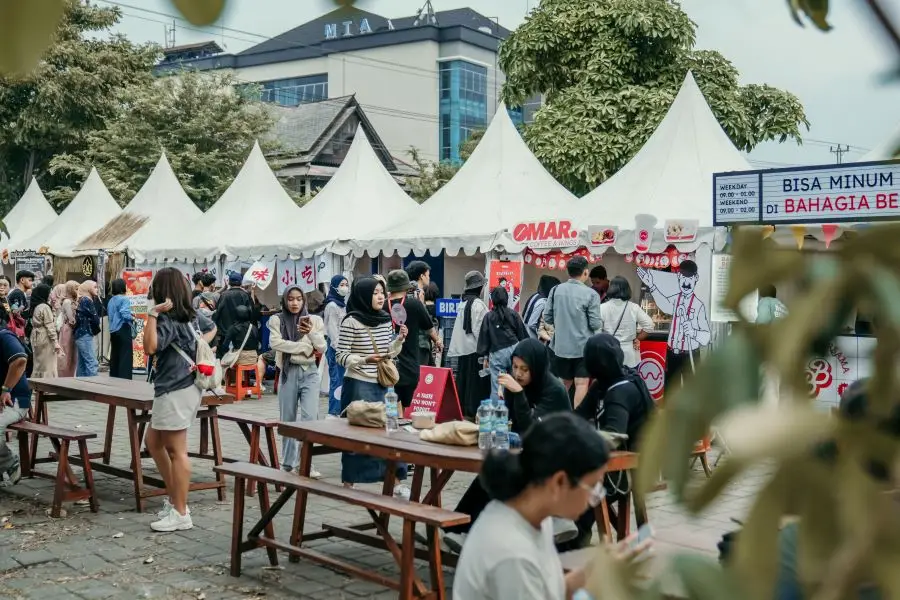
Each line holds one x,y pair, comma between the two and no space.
327,417
173,522
402,492
564,530
313,474
167,507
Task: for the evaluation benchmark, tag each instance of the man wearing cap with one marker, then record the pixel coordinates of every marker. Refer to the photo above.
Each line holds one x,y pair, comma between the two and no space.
417,320
226,310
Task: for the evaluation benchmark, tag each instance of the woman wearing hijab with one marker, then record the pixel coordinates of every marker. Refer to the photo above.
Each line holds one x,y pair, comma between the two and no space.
87,325
65,360
121,355
534,308
335,311
366,338
464,345
44,341
298,340
532,392
501,330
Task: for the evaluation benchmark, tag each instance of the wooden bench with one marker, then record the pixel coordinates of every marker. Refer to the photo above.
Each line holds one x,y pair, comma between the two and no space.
379,508
252,428
66,488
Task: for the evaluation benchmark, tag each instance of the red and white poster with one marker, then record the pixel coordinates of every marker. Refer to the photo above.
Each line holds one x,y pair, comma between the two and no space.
652,367
306,274
137,284
287,274
261,273
436,393
849,358
507,274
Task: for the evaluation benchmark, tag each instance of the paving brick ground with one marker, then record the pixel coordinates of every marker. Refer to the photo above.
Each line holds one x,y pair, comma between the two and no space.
82,555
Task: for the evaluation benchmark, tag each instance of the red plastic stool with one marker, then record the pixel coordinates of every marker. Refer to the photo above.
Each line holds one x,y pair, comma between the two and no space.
238,382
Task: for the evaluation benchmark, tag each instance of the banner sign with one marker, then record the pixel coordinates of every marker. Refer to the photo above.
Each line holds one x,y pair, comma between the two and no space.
436,393
822,194
652,367
137,284
446,308
507,274
546,234
848,358
31,261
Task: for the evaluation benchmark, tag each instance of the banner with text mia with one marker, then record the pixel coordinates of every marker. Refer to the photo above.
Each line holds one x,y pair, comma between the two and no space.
822,194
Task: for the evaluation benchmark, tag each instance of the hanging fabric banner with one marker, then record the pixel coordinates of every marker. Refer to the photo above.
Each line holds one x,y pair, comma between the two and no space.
260,274
829,232
767,231
306,274
287,274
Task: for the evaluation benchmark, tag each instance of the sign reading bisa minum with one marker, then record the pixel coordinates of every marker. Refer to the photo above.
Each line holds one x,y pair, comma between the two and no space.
826,194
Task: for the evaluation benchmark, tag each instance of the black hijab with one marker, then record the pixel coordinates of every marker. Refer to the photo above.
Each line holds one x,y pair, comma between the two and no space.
469,297
536,356
290,322
40,295
545,286
500,300
604,360
359,306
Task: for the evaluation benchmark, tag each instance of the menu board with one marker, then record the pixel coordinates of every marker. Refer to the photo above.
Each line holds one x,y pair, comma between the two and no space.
736,198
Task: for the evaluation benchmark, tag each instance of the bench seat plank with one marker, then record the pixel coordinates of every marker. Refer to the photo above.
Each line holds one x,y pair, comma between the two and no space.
249,419
54,432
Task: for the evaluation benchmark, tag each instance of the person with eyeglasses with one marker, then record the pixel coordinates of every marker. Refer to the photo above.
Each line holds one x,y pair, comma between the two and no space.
509,553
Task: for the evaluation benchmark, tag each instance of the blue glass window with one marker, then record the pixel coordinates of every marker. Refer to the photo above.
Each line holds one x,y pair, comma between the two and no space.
296,90
525,113
463,104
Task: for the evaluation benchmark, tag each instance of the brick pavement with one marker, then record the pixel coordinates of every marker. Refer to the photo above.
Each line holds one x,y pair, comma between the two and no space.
82,555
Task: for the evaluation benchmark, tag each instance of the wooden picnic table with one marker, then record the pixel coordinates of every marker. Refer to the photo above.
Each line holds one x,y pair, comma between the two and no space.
136,399
440,459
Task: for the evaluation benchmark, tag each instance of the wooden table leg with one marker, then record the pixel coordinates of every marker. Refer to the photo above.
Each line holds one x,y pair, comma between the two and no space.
136,467
39,414
300,504
434,562
110,427
59,490
253,440
204,436
417,480
640,505
390,479
264,506
237,526
273,452
217,451
88,473
407,572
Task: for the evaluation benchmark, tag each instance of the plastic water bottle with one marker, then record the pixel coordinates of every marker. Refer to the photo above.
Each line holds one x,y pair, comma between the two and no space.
501,427
392,411
485,424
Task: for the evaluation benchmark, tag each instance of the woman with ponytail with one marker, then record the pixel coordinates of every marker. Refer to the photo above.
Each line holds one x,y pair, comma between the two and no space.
509,552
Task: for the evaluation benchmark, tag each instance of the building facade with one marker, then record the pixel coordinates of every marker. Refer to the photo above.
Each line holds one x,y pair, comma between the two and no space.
425,82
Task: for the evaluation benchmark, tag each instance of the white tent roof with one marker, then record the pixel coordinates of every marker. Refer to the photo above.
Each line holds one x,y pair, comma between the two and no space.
92,206
254,217
671,175
160,199
360,200
884,150
30,214
501,184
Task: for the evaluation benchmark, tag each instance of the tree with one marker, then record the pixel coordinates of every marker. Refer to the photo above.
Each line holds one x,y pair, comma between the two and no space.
433,175
609,70
205,127
71,92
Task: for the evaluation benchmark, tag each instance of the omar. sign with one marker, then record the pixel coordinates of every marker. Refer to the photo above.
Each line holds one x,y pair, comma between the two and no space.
822,194
546,234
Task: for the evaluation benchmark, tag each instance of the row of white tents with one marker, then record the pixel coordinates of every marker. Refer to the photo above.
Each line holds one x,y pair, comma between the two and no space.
362,210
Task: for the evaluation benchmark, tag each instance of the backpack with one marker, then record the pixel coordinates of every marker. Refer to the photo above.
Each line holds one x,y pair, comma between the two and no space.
208,368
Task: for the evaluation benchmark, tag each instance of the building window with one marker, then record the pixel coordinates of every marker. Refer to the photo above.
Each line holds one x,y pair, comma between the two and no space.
525,113
463,105
296,90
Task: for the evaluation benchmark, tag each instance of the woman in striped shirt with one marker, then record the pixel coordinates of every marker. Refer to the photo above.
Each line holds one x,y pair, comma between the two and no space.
365,339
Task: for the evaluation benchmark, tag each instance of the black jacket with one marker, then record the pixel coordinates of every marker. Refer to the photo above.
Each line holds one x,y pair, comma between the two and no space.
498,333
544,395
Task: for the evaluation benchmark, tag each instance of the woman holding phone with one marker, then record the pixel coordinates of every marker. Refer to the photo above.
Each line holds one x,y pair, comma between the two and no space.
298,340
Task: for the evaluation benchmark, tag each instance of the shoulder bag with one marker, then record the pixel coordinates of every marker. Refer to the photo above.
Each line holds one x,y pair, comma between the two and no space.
231,357
388,375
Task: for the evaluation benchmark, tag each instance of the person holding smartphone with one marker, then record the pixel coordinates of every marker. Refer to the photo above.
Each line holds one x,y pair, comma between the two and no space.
298,340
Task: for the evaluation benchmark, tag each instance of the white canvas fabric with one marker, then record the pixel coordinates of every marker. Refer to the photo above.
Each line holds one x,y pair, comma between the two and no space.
671,175
91,208
361,199
31,214
502,184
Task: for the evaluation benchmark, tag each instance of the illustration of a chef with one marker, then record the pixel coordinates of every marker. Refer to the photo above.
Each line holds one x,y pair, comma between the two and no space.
674,295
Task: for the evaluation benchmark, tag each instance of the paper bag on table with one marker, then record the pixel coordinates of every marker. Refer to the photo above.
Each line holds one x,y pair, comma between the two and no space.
454,433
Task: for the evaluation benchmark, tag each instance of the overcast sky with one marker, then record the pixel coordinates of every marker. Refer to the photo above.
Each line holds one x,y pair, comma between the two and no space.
836,75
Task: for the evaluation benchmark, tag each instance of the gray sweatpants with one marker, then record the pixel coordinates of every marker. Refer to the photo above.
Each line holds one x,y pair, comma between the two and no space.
297,392
9,416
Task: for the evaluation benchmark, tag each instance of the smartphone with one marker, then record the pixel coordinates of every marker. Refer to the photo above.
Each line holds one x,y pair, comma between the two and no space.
305,320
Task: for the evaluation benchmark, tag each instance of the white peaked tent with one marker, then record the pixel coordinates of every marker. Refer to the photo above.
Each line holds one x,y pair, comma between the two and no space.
92,206
671,175
501,184
885,150
361,199
165,206
255,214
30,214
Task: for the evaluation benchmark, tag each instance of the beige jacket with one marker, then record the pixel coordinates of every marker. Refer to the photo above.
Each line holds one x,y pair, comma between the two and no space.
301,352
